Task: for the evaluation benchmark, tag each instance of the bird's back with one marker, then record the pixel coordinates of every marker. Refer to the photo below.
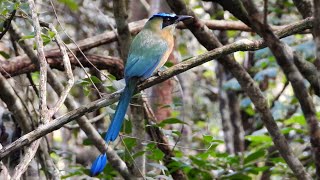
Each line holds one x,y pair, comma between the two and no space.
146,52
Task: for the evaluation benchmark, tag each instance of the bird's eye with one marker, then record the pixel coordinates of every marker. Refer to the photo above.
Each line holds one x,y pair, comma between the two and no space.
167,22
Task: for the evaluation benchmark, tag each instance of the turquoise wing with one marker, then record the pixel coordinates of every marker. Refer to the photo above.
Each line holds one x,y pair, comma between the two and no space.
146,52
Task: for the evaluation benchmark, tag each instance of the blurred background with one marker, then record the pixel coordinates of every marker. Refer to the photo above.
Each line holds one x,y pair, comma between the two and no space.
209,124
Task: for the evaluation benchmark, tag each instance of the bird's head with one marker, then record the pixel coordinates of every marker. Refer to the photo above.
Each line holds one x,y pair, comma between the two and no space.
164,21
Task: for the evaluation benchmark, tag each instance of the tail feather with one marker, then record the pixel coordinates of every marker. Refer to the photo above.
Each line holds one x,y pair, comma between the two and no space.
117,120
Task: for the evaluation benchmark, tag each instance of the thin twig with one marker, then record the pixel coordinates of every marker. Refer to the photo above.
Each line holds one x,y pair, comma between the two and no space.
93,120
28,156
280,93
68,70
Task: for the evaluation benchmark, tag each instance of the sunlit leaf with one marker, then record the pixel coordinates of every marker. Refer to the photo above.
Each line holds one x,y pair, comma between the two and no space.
170,121
254,156
296,119
72,4
259,138
4,54
156,154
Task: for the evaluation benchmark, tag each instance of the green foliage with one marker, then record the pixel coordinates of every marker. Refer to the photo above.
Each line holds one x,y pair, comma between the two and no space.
170,121
72,4
86,84
199,148
4,54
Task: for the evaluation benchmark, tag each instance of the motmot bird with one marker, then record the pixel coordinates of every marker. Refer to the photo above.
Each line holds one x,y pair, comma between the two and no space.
148,52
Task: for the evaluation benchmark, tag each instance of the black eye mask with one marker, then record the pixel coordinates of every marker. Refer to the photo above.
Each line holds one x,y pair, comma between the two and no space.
168,21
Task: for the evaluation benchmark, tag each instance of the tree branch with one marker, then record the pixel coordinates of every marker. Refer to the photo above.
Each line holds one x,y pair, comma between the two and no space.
22,64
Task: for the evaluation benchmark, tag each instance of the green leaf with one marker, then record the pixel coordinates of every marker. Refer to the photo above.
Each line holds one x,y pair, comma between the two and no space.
169,64
87,142
130,142
255,170
94,79
46,39
254,156
277,160
210,139
156,155
296,119
73,5
178,133
259,138
140,153
287,130
51,34
207,138
4,54
30,36
111,77
170,121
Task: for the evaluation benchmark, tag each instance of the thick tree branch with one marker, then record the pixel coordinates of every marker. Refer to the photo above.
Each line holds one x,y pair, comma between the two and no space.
304,7
124,37
309,71
244,45
22,64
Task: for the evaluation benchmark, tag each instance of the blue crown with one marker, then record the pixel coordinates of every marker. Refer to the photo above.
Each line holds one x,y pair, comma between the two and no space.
161,14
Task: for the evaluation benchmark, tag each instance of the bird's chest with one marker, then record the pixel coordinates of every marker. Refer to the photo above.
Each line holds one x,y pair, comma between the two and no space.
170,44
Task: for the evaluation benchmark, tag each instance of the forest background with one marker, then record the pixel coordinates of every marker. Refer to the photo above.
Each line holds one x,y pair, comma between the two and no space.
238,99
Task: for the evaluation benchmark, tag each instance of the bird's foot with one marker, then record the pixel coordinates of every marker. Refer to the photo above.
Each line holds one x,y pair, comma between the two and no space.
160,71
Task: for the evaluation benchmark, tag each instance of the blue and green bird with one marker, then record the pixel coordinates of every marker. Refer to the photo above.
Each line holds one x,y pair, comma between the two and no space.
148,52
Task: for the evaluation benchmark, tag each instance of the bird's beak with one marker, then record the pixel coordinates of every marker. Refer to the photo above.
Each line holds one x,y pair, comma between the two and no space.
183,17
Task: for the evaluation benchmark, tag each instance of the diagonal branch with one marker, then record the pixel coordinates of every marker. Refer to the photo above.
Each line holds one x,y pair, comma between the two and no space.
67,67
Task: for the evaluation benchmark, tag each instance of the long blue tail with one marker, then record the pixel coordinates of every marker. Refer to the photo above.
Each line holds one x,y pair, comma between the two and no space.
116,123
